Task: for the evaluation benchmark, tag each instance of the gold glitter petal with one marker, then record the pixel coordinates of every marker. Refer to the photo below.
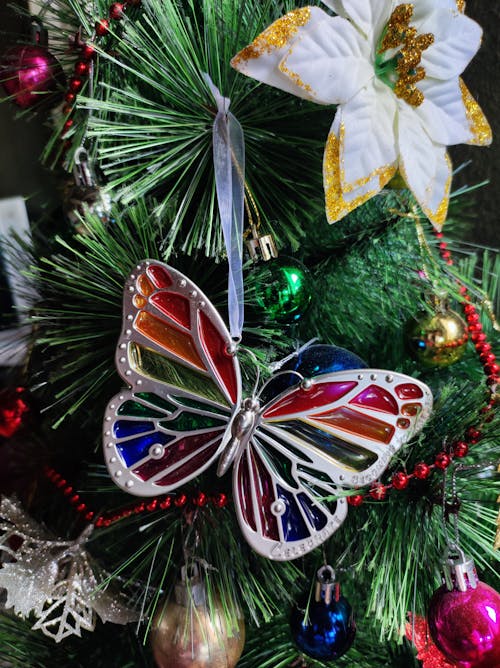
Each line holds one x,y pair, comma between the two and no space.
276,36
335,204
293,76
478,125
438,216
385,172
461,6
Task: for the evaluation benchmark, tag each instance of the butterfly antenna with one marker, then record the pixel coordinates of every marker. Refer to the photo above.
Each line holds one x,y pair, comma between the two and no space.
275,366
276,375
251,354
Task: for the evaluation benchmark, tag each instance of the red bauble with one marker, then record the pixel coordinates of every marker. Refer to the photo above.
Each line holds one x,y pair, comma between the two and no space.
12,409
400,480
442,460
102,27
422,470
378,491
465,625
460,449
116,11
32,76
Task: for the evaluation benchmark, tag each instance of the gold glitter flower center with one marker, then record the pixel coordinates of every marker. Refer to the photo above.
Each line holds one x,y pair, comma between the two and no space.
402,70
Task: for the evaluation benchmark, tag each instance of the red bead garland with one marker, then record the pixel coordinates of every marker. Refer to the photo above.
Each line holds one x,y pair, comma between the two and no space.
422,470
200,500
400,480
83,66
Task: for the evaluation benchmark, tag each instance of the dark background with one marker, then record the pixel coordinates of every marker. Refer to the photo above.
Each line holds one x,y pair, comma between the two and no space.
22,139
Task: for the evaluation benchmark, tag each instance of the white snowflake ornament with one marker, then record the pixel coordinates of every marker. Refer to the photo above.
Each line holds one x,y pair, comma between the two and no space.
54,580
394,71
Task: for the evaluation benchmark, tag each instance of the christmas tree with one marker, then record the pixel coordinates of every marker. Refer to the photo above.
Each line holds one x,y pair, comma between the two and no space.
255,422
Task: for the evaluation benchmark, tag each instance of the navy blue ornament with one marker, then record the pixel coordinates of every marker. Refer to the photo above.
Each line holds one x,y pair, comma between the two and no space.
312,361
324,628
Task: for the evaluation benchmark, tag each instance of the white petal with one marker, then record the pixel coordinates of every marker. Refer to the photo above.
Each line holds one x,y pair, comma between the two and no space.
456,40
422,8
425,167
368,142
337,202
330,62
443,113
369,16
260,60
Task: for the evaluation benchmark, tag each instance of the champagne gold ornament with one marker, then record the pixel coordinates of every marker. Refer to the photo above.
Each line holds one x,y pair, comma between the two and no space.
188,633
438,339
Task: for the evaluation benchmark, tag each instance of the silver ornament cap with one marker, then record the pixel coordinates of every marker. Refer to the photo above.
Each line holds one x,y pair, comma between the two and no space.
190,589
459,570
327,589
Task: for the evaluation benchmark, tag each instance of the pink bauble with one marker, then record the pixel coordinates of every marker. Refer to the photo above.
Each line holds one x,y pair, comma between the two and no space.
31,75
465,625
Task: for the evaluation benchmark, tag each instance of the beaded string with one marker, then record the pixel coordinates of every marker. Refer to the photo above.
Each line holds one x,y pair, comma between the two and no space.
106,519
378,491
459,449
84,65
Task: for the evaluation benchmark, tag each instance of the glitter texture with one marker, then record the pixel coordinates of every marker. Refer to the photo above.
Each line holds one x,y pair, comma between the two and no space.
385,172
399,33
336,205
479,126
418,632
438,216
295,78
276,36
397,26
53,580
403,52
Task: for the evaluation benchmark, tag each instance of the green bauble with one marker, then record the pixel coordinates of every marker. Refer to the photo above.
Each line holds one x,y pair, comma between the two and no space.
282,289
437,339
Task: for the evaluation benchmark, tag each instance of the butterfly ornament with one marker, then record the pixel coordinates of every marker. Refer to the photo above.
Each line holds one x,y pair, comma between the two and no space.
293,455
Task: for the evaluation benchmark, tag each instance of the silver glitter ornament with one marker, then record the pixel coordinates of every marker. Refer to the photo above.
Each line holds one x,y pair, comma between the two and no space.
55,580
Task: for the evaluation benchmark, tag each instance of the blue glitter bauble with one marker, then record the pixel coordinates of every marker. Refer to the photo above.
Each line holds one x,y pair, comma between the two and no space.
312,361
323,631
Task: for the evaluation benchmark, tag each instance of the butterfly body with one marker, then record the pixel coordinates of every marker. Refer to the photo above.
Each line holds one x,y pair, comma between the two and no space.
292,455
241,427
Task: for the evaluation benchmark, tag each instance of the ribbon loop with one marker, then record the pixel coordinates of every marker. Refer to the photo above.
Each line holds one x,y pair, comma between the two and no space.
229,166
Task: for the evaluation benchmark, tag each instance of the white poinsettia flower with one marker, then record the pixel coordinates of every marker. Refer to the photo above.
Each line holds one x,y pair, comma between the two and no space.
394,72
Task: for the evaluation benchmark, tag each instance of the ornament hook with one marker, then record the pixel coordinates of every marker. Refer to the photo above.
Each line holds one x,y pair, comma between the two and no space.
326,586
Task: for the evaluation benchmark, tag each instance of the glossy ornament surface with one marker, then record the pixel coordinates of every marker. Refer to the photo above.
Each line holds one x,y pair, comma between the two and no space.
464,615
323,628
439,339
283,289
187,633
31,75
312,361
290,455
465,625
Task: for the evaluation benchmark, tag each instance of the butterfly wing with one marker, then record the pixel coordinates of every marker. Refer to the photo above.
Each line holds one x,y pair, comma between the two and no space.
310,443
184,384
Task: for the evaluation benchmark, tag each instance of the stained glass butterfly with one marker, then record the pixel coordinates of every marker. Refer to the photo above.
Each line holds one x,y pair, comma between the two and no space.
290,457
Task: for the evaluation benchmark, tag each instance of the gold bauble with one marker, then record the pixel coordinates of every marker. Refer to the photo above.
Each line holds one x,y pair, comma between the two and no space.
188,633
438,339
